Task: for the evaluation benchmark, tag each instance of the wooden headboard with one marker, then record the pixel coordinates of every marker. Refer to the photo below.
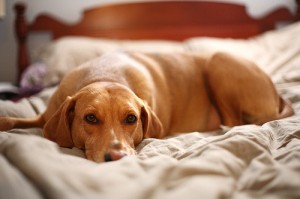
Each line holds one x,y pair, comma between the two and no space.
172,20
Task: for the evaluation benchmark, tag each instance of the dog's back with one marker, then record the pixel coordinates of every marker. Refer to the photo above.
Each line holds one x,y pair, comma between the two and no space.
179,94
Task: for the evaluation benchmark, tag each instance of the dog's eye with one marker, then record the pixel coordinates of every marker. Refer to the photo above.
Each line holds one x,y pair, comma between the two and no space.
91,118
130,119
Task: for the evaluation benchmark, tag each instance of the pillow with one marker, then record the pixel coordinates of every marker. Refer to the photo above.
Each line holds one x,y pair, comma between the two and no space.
64,54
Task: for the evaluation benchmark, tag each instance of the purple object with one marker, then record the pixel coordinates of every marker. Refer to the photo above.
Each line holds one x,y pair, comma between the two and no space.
32,78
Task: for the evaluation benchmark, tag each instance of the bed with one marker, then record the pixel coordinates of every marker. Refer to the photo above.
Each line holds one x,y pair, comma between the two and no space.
241,162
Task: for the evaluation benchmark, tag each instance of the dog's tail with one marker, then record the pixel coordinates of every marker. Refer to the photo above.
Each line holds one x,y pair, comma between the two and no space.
285,109
8,123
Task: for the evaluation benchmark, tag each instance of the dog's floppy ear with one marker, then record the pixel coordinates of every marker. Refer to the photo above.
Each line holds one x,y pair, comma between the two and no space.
152,127
58,127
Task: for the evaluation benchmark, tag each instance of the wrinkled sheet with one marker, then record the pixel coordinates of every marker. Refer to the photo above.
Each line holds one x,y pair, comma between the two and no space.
242,162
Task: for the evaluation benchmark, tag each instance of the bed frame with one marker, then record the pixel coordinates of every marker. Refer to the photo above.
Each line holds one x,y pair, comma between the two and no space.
172,20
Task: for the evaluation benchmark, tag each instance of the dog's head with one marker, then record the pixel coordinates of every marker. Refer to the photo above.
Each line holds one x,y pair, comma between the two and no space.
102,117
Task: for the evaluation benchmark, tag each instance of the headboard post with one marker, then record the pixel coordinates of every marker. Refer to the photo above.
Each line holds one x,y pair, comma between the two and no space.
21,34
298,9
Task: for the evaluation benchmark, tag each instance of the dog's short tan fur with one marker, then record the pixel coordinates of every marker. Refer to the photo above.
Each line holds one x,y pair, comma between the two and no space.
126,97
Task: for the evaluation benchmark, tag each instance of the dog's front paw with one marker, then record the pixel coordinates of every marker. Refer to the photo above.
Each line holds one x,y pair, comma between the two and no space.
6,123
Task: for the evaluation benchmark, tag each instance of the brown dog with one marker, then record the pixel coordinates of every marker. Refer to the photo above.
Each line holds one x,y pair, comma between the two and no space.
108,105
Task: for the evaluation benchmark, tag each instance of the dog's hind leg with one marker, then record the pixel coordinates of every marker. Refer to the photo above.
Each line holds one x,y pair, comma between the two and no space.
242,93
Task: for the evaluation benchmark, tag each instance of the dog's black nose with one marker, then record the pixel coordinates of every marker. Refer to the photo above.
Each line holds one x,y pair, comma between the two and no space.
107,157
